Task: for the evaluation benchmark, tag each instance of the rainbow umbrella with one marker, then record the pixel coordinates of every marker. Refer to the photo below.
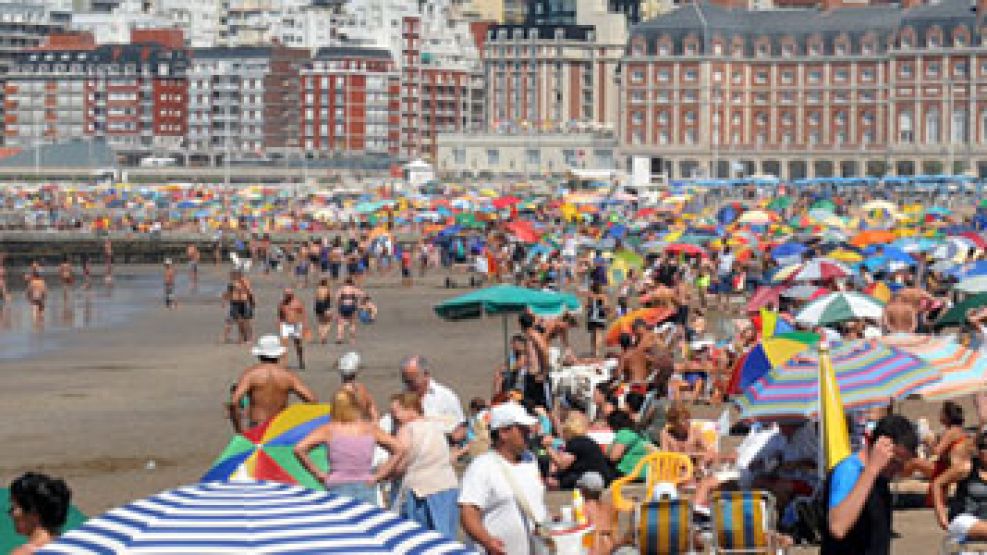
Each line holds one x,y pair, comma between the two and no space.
266,452
869,374
962,370
767,354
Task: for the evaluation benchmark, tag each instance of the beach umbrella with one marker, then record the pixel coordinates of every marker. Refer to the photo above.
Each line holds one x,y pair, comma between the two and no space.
780,203
505,201
653,317
814,270
845,255
250,517
763,296
832,417
962,370
840,307
266,452
825,204
686,249
953,248
757,217
976,284
880,205
868,373
524,231
785,250
768,353
10,539
872,237
880,291
967,270
956,315
805,292
505,300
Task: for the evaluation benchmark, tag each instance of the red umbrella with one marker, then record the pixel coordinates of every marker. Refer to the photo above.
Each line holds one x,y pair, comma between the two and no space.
524,231
685,248
976,239
505,201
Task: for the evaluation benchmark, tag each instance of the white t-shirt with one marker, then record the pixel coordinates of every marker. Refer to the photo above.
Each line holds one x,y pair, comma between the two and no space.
442,405
485,487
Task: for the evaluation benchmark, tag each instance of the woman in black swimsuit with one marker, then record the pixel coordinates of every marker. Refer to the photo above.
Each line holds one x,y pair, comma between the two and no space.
323,304
347,299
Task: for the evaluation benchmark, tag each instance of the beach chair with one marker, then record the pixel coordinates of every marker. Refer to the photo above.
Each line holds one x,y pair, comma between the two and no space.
952,547
663,527
743,522
659,467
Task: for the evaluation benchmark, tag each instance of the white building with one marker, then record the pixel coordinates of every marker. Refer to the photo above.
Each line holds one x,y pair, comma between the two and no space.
528,155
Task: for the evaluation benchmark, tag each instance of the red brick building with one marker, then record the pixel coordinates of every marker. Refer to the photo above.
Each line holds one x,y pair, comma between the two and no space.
349,100
847,91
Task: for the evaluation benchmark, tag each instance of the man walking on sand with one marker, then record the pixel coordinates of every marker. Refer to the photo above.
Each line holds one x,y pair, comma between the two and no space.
291,322
36,293
169,285
265,386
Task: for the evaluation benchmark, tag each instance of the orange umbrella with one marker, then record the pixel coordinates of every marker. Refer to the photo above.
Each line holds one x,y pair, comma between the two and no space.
623,324
872,237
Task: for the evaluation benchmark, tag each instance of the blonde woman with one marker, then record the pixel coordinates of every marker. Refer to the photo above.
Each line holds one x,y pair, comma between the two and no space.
579,454
349,440
429,487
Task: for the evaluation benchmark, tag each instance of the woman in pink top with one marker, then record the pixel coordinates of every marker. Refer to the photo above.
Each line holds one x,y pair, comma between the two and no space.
350,442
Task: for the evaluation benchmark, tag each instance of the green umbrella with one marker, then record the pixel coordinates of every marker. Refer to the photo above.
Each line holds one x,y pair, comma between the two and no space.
956,315
780,203
823,204
468,219
504,300
630,258
9,539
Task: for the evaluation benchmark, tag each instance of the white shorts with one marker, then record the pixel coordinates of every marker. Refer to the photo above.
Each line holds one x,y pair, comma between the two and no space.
293,331
960,526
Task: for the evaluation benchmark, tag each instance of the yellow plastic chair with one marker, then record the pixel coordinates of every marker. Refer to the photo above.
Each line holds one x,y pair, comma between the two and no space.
658,467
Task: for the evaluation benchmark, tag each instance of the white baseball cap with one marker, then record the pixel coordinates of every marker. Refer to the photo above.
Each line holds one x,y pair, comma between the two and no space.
510,414
349,364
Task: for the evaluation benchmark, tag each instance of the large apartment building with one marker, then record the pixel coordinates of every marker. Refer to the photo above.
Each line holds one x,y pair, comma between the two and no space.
350,102
133,96
842,91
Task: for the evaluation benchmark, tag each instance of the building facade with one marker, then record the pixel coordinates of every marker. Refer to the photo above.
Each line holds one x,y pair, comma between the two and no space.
524,156
442,87
846,91
132,96
551,77
350,102
243,103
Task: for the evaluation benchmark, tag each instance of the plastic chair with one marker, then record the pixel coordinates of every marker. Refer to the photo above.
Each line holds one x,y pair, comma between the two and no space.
743,522
664,527
658,467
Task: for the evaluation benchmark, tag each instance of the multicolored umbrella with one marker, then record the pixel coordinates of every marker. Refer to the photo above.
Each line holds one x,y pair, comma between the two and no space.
653,316
266,452
840,307
814,270
962,370
10,539
251,517
869,374
767,354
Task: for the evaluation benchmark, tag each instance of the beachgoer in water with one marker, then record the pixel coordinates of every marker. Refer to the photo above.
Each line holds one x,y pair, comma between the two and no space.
39,507
169,285
36,293
266,386
192,252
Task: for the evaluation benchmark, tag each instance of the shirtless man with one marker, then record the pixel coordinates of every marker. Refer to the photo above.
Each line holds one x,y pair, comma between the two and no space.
900,317
535,387
192,252
36,293
266,386
241,299
169,285
291,322
632,364
65,274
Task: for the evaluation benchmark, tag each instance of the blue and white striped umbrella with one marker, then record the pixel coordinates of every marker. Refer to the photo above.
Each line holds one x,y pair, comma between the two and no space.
250,517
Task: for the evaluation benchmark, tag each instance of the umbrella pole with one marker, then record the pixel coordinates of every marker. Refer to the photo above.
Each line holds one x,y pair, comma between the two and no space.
507,348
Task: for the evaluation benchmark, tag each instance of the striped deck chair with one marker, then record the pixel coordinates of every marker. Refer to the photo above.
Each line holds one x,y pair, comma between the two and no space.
743,521
664,527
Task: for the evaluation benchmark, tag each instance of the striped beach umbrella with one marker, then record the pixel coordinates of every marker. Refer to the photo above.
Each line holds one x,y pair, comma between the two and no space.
869,374
247,518
813,270
840,307
962,370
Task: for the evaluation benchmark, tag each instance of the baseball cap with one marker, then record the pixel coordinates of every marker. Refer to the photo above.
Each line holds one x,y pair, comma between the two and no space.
510,414
349,364
590,481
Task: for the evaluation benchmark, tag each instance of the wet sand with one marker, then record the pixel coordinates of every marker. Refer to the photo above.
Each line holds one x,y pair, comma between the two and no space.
125,411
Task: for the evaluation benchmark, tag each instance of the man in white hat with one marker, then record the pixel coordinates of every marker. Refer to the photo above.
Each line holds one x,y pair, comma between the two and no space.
266,386
502,496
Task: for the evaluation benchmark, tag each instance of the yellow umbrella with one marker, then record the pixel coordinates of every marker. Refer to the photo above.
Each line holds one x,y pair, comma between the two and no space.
844,255
836,440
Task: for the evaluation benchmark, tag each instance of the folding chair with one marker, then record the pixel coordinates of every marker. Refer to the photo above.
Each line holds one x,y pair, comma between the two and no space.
743,522
664,527
659,467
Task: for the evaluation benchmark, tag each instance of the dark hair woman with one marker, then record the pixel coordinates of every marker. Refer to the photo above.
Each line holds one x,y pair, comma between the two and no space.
39,506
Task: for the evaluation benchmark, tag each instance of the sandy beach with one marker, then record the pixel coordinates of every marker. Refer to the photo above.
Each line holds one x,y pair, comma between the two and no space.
124,411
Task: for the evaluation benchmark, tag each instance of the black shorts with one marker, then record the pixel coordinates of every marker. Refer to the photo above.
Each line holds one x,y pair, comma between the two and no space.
595,326
405,272
538,393
241,310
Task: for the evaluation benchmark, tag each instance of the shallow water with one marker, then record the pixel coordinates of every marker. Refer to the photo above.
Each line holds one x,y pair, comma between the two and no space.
67,312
